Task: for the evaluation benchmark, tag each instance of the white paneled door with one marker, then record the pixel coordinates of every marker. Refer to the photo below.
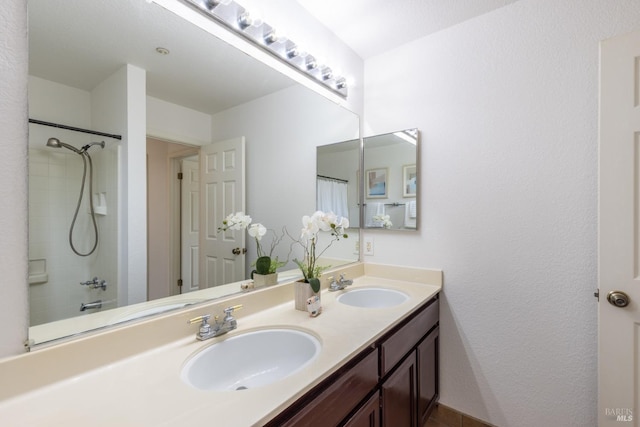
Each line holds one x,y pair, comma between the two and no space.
619,233
222,191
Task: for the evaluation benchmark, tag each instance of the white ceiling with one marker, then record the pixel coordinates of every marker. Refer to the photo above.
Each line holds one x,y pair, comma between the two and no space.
79,43
371,27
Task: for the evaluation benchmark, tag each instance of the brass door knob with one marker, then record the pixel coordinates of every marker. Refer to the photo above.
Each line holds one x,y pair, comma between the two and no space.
618,298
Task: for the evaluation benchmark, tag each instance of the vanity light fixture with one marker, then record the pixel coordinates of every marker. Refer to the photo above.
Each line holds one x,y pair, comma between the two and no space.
411,136
237,19
269,36
208,4
244,20
310,62
327,74
292,51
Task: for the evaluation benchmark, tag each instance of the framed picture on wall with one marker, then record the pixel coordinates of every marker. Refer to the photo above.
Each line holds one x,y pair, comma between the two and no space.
376,183
409,185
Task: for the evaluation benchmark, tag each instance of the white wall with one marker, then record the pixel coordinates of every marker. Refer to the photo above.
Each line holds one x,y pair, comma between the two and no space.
119,103
507,104
172,122
282,131
13,165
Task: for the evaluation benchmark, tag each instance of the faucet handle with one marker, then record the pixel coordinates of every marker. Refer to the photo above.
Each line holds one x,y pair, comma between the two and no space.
229,310
204,319
229,321
228,317
205,327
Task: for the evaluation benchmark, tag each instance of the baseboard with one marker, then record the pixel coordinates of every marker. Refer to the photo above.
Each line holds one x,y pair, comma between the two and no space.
454,418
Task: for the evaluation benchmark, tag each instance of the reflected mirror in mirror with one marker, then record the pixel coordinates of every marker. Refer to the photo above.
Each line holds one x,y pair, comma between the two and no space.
390,184
338,168
76,78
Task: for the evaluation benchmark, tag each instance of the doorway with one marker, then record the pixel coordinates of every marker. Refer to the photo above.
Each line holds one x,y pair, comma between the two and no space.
166,251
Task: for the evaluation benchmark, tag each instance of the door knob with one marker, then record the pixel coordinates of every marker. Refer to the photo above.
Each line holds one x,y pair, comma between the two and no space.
238,251
618,298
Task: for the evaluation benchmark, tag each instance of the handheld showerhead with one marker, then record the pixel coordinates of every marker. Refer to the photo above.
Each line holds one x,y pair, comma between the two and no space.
53,142
56,143
86,158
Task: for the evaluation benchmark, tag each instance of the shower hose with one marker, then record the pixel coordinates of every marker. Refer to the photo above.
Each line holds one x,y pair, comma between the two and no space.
85,155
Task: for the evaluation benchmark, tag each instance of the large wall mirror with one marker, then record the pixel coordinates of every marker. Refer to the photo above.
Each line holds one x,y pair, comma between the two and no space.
390,184
196,93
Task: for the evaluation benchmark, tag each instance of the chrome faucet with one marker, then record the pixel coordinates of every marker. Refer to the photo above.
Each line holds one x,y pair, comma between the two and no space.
91,305
340,284
207,331
96,283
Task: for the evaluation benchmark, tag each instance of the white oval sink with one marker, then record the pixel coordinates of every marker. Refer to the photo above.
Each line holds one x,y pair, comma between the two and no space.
251,360
373,297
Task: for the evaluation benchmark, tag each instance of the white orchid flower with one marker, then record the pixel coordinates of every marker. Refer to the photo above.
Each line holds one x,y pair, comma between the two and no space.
384,219
257,231
328,221
236,221
309,227
344,222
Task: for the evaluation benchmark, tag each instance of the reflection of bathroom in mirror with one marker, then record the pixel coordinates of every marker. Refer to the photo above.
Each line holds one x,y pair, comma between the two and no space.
391,180
337,190
91,80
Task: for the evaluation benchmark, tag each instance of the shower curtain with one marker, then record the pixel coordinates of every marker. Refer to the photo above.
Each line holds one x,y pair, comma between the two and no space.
332,197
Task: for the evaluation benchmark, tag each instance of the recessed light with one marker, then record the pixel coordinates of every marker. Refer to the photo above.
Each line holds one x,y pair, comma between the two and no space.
162,51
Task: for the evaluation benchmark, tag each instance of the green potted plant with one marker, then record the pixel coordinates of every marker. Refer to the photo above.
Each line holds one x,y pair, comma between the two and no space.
313,228
265,272
266,265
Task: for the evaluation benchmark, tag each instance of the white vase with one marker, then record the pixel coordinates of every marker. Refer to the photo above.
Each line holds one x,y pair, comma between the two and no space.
260,280
303,292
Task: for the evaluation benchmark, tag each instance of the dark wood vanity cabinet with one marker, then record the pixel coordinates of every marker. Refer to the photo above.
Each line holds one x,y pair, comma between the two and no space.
427,361
399,394
335,398
393,383
409,369
410,392
368,415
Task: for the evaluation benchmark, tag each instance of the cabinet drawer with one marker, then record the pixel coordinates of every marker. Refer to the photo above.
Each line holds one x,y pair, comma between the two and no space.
394,347
337,396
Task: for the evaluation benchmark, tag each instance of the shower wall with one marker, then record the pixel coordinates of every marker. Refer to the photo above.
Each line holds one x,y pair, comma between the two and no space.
55,177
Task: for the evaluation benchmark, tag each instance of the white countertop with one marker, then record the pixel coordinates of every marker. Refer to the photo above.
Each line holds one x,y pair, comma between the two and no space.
145,389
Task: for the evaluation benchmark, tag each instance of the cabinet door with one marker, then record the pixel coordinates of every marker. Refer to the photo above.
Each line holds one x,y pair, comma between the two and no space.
368,415
337,397
398,343
427,356
399,395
